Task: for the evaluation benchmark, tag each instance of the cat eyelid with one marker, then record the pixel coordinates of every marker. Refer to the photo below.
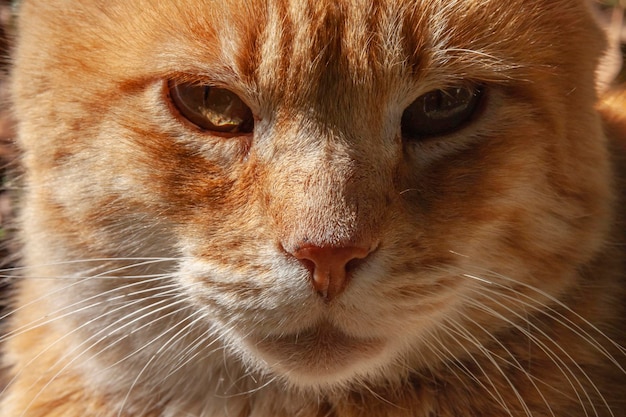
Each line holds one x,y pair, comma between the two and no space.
231,83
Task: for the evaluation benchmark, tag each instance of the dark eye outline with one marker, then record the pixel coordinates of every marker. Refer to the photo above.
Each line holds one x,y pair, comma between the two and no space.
442,112
190,108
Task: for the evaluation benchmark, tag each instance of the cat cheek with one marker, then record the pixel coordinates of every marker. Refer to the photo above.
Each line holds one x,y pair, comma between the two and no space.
258,296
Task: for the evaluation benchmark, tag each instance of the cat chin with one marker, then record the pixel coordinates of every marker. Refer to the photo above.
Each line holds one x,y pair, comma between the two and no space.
321,357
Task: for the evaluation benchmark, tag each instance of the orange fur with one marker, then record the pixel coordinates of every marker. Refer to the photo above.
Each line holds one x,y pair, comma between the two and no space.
159,277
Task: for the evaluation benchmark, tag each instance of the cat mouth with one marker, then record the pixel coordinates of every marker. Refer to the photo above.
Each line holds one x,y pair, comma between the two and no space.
318,355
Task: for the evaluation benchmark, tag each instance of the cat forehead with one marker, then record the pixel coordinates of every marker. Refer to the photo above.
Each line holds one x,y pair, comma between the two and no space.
356,39
360,33
363,35
278,45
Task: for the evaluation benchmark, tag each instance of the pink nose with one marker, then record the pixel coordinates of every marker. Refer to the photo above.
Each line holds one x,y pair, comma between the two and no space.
329,266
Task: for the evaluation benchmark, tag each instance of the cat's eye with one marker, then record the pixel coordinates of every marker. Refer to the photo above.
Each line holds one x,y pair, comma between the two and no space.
212,109
440,112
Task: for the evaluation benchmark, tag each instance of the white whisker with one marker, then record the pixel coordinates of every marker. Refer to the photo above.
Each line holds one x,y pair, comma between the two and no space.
75,358
559,362
493,392
553,314
77,307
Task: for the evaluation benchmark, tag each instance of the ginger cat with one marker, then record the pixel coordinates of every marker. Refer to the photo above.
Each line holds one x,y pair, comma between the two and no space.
316,208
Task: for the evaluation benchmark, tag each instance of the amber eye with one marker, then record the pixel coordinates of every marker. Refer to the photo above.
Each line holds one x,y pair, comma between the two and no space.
211,108
440,112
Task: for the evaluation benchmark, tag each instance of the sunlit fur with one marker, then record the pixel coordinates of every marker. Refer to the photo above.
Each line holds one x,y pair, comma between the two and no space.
157,278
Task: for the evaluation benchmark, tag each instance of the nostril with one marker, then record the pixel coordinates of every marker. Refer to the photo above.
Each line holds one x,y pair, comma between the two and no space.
309,264
330,266
354,264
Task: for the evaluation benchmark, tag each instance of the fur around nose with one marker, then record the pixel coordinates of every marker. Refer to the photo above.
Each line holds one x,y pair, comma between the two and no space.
329,266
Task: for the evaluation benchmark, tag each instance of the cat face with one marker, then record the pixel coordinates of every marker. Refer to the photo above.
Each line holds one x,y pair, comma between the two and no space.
346,187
